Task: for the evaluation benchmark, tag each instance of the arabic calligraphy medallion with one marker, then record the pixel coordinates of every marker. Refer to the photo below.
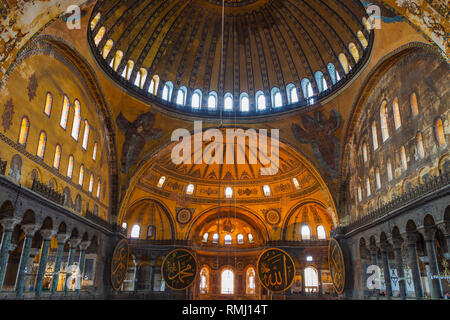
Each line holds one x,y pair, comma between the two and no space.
119,264
336,265
179,269
276,270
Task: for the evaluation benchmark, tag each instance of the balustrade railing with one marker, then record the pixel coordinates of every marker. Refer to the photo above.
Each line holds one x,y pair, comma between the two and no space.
47,192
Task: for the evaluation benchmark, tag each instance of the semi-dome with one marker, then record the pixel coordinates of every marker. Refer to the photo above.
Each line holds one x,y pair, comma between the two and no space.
275,55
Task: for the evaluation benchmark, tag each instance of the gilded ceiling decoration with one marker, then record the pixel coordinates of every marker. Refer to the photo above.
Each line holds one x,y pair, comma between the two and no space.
269,47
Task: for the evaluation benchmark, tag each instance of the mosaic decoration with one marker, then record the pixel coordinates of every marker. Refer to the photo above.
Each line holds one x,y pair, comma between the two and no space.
184,215
276,270
272,216
179,269
320,133
336,265
8,114
119,264
137,133
32,86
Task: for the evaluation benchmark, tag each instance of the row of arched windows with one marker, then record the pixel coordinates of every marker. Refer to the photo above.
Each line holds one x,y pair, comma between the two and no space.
305,232
135,232
228,239
212,100
227,281
40,152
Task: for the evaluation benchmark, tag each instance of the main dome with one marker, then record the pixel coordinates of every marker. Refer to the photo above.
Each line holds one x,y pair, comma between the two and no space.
275,55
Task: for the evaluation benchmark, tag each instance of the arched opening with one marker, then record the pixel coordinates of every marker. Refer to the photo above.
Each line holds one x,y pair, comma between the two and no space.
227,281
311,280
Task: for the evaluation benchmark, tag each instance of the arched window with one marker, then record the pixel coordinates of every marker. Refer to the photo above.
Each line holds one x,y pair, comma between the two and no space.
154,84
215,238
292,93
117,59
367,24
244,102
321,82
228,239
414,105
70,167
420,148
307,88
24,129
389,169
94,152
167,91
81,176
124,225
204,281
228,192
99,35
296,184
99,186
161,182
65,113
362,39
403,158
57,157
384,121
135,232
86,135
378,178
266,190
76,120
140,78
228,102
368,191
212,101
250,238
205,237
260,100
151,232
359,194
344,63
126,73
196,100
374,136
354,51
305,233
227,283
277,99
332,72
240,238
95,21
190,189
321,233
41,145
311,280
107,48
439,132
181,96
48,104
251,281
396,111
364,151
91,182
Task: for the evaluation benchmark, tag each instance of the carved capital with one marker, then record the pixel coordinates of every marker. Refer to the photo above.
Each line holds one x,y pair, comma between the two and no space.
73,242
29,229
429,233
384,245
84,245
47,234
62,238
412,238
9,223
397,242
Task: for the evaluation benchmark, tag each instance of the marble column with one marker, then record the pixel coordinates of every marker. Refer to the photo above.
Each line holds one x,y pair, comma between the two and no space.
28,230
134,275
61,238
319,274
46,238
436,287
374,261
303,283
387,275
398,241
8,228
73,244
83,246
414,264
152,278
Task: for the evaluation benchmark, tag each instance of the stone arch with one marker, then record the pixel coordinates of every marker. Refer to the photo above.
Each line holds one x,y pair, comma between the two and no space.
6,210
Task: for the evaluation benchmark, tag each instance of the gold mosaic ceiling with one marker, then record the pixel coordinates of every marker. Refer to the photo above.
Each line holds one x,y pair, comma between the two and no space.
267,45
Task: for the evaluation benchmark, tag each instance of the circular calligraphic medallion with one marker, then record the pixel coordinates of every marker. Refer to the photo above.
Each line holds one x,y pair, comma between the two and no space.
273,217
179,269
184,216
276,270
119,264
336,265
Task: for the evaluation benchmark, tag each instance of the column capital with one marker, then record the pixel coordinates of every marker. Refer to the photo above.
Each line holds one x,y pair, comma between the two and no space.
373,249
412,237
84,244
47,234
9,223
29,229
62,238
429,232
384,245
397,242
73,242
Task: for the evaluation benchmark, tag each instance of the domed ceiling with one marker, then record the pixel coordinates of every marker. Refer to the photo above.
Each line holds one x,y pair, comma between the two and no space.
278,55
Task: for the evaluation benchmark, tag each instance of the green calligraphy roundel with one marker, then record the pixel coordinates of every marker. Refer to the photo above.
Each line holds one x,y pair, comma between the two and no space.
276,270
179,269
